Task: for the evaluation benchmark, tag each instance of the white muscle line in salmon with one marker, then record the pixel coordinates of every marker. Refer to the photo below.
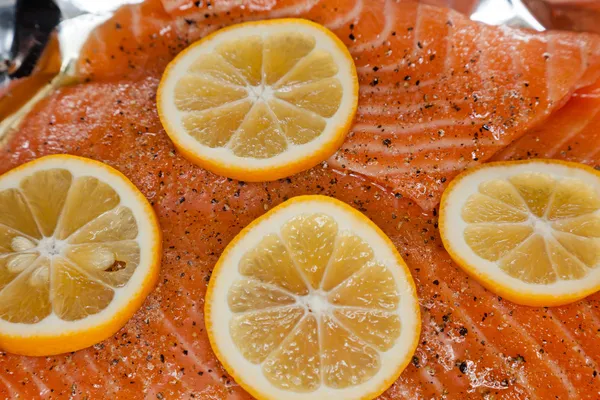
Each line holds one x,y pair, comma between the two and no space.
190,348
171,377
402,390
574,129
389,14
404,394
395,129
552,365
188,380
517,71
516,65
447,166
171,6
64,371
447,347
91,364
65,377
548,70
193,313
84,375
177,24
433,380
377,148
344,164
443,345
414,394
155,388
591,312
589,361
437,344
591,157
476,378
488,70
196,30
229,5
374,170
192,32
447,293
417,36
162,26
185,385
136,22
337,168
521,378
393,90
174,5
351,16
196,315
485,70
489,345
152,388
42,388
12,391
583,50
294,10
449,40
394,109
399,110
410,389
508,152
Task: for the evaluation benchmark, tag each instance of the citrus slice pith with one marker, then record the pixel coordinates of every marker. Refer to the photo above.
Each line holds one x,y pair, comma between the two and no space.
312,300
80,250
261,100
527,230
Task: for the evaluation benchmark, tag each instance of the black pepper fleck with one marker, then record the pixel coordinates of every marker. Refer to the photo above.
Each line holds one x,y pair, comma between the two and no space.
415,361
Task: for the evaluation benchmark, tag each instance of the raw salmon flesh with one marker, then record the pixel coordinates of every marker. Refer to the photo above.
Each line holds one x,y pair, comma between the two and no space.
438,93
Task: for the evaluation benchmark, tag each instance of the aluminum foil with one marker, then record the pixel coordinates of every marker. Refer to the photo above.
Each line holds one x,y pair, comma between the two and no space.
62,27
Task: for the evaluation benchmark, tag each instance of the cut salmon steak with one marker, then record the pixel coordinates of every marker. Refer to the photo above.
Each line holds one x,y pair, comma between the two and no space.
434,99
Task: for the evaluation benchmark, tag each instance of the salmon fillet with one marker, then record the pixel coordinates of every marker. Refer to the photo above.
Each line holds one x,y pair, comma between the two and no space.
435,96
474,345
570,134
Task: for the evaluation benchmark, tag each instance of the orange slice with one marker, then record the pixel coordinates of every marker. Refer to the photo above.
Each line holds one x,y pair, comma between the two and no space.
312,300
80,250
527,230
260,100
